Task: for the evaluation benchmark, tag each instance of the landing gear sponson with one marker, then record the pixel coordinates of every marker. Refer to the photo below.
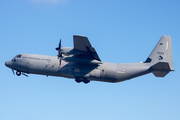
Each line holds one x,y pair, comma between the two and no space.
78,80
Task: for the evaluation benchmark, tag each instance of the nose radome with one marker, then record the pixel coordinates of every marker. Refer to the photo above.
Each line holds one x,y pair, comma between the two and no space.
8,63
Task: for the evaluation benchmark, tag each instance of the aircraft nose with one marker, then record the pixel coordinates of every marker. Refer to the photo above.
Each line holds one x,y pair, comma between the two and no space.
8,63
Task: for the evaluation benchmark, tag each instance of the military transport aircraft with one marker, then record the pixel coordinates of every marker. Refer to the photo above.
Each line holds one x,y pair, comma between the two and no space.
83,64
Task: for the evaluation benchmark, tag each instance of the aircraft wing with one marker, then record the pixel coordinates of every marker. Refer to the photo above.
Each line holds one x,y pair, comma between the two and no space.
81,43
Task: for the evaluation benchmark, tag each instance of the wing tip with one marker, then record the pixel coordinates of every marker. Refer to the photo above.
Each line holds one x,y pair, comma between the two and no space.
79,36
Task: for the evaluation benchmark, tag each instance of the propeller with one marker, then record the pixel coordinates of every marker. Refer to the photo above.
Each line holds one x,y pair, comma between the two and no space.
59,53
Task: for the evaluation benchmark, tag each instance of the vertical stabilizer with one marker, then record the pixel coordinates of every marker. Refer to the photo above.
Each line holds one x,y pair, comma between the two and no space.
161,57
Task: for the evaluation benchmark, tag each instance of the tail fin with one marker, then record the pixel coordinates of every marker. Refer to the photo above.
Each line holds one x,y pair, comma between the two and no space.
161,57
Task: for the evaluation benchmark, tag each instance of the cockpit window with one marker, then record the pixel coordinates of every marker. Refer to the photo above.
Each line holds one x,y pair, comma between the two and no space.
18,56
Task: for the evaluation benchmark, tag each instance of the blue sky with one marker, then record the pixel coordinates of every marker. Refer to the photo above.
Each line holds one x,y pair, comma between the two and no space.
120,31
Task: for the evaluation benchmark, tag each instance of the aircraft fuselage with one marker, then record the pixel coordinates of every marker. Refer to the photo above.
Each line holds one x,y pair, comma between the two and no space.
49,66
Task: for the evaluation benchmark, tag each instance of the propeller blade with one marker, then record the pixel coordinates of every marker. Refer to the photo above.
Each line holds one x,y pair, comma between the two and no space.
60,62
60,44
59,47
13,71
60,54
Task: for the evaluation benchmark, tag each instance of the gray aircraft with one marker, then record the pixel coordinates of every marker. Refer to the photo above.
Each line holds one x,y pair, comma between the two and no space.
83,64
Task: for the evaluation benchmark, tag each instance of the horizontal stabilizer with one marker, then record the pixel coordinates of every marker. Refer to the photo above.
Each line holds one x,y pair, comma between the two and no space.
161,66
160,73
161,69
